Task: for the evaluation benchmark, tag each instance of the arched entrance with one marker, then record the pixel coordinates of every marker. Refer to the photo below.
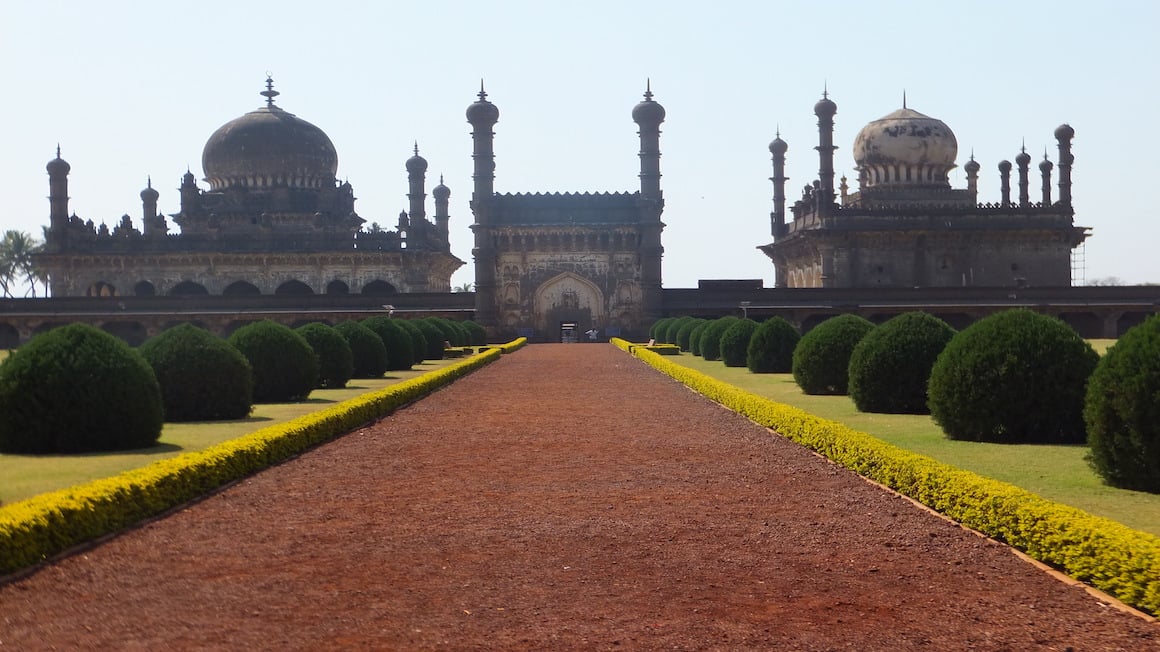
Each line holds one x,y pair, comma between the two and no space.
566,306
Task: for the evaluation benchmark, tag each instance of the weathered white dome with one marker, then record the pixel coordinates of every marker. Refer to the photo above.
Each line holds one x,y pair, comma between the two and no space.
905,148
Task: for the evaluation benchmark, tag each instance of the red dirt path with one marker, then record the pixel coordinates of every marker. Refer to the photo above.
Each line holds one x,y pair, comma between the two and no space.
565,497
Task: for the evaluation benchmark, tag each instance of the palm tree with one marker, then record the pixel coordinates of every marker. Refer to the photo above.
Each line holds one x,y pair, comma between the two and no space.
16,262
465,287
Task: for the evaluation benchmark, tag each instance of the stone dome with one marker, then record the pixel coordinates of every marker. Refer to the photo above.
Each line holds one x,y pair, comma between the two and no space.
905,148
269,147
648,111
482,112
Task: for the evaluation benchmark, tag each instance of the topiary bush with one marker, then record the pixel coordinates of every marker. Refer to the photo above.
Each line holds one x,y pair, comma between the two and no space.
335,358
821,359
657,330
1122,412
418,340
400,351
771,347
433,338
685,333
890,367
450,334
695,337
368,352
477,335
735,342
202,377
1016,376
674,327
711,337
284,366
77,389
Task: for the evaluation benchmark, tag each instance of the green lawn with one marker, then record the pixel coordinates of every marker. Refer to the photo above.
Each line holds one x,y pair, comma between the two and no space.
1058,473
23,476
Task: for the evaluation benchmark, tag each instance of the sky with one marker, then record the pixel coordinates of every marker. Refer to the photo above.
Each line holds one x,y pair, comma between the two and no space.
132,90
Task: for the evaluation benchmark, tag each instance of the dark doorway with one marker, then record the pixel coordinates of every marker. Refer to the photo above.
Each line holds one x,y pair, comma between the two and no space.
568,332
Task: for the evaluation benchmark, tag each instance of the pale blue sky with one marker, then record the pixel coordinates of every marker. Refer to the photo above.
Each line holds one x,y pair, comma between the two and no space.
131,89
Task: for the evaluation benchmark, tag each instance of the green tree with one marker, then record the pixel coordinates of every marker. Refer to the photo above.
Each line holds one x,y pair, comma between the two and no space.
16,263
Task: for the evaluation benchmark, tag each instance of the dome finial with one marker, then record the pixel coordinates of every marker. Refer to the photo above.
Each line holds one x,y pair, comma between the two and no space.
269,93
482,93
416,148
58,150
825,89
904,98
648,89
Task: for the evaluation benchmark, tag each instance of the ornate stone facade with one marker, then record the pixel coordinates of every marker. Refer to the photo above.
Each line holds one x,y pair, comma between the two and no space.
907,227
548,266
275,220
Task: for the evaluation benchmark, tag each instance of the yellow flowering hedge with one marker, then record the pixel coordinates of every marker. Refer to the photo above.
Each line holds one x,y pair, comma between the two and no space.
513,345
37,528
1101,552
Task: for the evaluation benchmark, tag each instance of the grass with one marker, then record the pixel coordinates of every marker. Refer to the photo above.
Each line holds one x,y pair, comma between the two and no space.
24,476
1058,473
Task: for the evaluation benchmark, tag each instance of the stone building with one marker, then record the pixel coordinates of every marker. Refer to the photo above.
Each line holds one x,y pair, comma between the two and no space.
274,220
555,266
906,226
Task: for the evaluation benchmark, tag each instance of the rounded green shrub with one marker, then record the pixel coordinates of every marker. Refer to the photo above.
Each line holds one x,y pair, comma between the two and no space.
433,337
285,367
335,358
77,389
368,352
890,367
695,337
463,338
477,335
400,351
821,359
450,334
771,347
418,340
1013,377
711,336
685,333
202,377
657,330
735,342
674,327
1122,410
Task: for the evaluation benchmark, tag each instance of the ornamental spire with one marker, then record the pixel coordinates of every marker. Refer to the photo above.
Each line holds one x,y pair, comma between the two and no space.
269,93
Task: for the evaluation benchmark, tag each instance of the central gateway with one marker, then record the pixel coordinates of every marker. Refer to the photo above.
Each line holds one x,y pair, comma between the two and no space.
588,259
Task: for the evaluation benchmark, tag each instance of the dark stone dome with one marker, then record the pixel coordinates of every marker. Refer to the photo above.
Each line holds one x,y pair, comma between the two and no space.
648,111
416,164
441,191
58,165
269,147
778,146
482,112
1064,132
825,107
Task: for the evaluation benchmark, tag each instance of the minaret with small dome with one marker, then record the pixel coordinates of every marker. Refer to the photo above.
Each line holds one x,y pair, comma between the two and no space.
906,226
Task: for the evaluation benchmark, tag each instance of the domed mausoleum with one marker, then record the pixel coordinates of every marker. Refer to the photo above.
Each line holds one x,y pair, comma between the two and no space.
274,220
905,226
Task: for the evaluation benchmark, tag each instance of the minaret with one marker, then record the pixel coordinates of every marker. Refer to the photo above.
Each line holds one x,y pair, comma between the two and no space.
972,170
58,170
190,196
1023,160
442,194
416,176
1064,133
648,116
778,149
149,195
825,110
1045,172
483,115
1005,182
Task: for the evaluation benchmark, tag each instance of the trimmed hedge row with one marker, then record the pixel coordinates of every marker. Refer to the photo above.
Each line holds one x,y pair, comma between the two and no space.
1101,552
33,530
